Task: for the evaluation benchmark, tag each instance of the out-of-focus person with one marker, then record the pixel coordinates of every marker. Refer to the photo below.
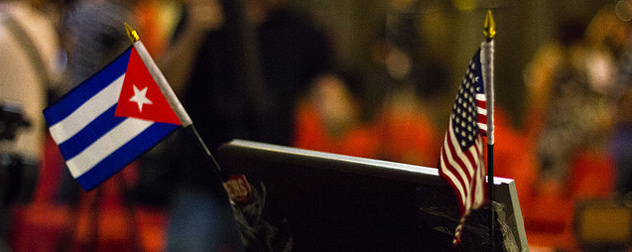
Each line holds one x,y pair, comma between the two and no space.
569,106
238,67
29,66
328,120
245,77
572,88
94,35
409,80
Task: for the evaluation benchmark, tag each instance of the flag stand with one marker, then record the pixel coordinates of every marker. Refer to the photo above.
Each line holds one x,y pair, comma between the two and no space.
223,175
490,178
489,32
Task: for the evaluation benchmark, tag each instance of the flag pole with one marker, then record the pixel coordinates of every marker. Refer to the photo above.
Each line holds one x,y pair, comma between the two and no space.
488,76
172,99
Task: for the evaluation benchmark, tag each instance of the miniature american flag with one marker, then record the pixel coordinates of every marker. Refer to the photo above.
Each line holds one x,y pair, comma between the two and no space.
461,160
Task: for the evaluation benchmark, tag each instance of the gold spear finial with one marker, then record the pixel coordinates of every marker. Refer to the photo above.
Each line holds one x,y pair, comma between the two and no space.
131,33
490,26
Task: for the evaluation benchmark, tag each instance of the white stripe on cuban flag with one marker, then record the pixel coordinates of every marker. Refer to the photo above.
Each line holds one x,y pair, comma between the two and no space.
87,112
106,145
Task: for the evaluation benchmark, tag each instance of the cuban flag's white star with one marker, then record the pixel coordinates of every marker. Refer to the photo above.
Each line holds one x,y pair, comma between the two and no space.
140,98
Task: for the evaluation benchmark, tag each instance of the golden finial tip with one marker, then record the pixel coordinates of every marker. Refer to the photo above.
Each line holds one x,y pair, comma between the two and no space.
131,33
490,26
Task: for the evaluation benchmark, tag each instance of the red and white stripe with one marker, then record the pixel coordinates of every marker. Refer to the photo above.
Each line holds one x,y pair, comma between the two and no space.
465,171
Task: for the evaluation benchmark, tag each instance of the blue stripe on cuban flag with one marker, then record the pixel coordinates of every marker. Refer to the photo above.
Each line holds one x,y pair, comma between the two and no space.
95,143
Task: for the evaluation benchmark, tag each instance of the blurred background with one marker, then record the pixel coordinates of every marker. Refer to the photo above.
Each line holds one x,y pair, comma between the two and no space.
368,78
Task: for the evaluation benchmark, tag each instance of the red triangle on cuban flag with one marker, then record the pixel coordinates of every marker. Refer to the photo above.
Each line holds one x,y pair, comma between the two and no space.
141,97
